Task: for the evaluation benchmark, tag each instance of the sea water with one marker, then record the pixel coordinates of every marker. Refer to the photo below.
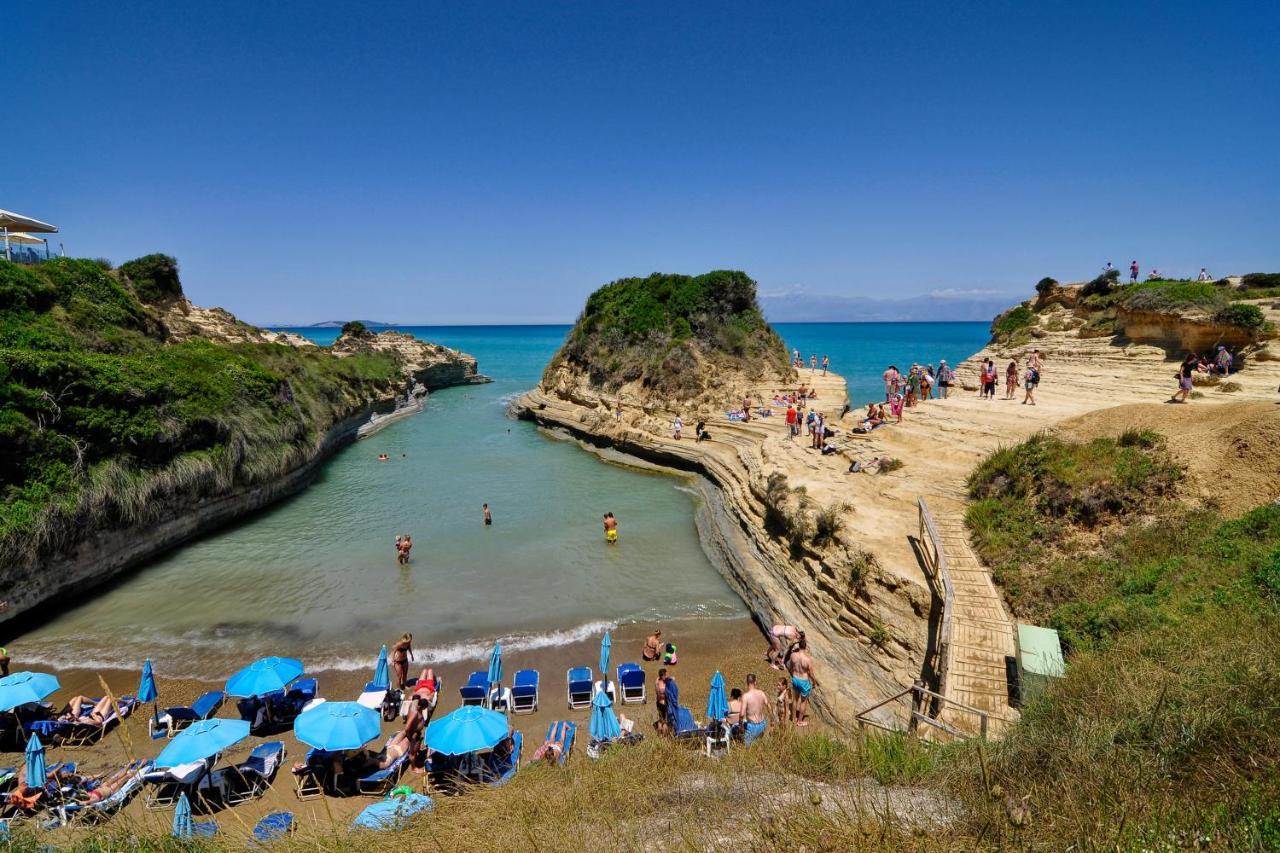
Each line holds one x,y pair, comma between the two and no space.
316,575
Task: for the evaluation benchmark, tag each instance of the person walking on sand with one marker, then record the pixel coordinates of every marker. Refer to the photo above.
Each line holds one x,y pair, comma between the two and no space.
813,363
890,377
488,516
1186,371
826,363
679,426
1011,379
1035,361
1029,383
610,529
803,680
945,377
401,654
791,421
755,705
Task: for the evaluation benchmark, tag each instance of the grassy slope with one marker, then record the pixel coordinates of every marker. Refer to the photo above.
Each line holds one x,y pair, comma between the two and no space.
101,417
657,330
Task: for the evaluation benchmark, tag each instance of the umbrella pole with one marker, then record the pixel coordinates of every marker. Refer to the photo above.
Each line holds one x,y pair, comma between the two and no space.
7,256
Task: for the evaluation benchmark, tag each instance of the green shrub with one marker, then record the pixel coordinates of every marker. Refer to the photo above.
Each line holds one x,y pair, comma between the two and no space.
154,277
1162,295
354,328
1012,321
1242,315
1260,280
1103,285
1046,285
828,522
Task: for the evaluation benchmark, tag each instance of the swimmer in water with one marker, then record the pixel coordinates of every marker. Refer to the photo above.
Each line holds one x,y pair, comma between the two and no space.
382,457
610,528
488,516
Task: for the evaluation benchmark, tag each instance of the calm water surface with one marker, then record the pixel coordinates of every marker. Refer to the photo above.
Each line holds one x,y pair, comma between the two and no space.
316,576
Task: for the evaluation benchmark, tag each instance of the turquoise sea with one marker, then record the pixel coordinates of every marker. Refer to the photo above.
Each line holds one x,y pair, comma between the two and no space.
316,576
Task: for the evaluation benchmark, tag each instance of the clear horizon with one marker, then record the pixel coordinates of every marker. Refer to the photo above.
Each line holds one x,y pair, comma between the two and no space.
495,163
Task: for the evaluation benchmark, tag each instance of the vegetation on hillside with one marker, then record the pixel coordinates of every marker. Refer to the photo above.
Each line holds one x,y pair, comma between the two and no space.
102,418
658,330
1166,730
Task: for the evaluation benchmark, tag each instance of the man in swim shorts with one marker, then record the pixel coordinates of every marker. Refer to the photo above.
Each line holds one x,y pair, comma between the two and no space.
754,706
610,528
660,699
802,681
488,516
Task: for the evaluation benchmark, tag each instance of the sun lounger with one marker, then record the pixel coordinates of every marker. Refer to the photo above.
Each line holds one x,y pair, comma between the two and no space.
278,709
682,724
631,682
8,777
315,774
718,737
608,687
473,692
381,781
597,748
74,734
170,721
580,687
273,827
109,806
392,813
168,784
503,771
524,692
571,732
251,778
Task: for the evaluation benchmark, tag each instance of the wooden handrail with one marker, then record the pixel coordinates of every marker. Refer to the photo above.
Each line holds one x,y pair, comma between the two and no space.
941,575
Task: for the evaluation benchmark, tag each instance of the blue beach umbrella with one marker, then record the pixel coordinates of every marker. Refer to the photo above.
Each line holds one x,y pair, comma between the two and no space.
264,676
495,664
717,705
23,688
604,725
202,739
333,726
468,729
36,776
606,645
182,817
382,672
147,684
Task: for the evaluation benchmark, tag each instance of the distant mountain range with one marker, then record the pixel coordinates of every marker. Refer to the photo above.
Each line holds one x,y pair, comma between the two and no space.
956,305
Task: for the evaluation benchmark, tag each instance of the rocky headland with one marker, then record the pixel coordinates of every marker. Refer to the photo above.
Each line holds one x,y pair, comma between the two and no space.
138,421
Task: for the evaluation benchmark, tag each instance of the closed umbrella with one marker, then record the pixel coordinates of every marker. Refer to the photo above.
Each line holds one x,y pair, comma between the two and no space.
495,666
382,672
334,726
717,705
202,739
604,724
264,676
468,729
23,688
606,645
36,776
182,817
147,693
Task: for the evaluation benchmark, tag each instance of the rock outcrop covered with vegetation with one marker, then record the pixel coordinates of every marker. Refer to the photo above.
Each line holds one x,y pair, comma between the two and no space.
132,420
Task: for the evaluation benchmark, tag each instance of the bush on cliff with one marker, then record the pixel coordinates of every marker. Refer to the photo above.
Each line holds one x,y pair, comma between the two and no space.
1008,325
1172,296
1046,285
154,277
103,421
1260,281
1238,314
658,330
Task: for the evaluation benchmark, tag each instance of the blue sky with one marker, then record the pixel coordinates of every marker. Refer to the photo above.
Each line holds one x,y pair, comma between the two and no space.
495,162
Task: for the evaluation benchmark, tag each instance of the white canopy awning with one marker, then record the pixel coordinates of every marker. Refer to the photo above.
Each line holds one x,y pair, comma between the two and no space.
18,222
25,239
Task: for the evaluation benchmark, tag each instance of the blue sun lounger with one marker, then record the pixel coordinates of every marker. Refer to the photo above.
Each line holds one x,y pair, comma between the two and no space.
381,781
170,721
524,692
571,732
251,778
109,806
580,687
505,770
476,688
682,723
315,774
631,683
74,735
273,827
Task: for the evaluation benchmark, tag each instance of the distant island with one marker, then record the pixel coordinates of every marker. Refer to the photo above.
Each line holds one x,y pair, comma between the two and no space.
338,324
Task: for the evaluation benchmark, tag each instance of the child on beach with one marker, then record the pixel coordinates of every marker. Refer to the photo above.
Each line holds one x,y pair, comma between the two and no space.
782,702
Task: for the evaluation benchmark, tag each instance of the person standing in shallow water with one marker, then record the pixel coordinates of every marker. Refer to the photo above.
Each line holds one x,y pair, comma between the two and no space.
488,516
610,528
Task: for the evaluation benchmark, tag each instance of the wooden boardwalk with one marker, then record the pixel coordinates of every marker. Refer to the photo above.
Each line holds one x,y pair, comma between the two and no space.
982,635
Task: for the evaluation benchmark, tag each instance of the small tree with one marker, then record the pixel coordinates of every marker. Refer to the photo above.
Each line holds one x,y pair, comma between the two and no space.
1046,285
354,328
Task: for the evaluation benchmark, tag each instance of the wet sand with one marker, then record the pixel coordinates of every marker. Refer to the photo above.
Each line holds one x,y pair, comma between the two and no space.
734,646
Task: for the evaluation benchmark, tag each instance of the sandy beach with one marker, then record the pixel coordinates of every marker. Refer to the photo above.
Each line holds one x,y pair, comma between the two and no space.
734,646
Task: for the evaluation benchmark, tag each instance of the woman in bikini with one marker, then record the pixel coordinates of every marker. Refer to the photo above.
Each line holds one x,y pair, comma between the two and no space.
401,654
652,647
553,747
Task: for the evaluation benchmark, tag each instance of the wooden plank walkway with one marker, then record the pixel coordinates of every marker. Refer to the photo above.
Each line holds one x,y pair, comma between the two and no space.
982,634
